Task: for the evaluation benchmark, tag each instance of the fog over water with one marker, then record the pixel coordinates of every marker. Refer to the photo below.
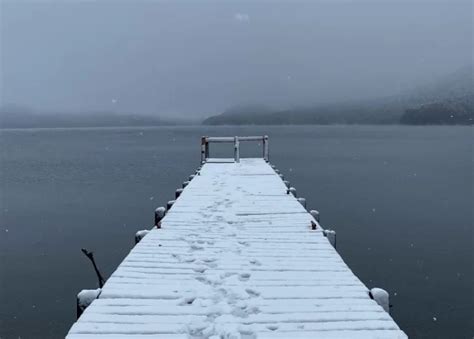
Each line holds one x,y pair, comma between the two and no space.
193,59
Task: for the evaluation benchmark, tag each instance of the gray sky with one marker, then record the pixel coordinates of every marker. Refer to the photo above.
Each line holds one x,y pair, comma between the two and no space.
195,58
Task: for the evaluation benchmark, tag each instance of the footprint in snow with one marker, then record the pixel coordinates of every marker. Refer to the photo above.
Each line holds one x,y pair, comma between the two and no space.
255,262
187,300
200,269
244,276
251,292
196,247
203,280
227,275
209,259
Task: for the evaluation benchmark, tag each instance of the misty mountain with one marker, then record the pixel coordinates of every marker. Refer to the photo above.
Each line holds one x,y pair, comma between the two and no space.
455,111
454,93
16,116
458,84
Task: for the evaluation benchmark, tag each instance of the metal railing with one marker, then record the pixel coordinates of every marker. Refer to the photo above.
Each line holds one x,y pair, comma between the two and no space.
205,141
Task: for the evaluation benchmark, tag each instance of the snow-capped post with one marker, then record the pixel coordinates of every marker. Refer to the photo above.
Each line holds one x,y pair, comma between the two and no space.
186,183
302,201
178,193
292,190
277,171
331,235
287,183
140,235
191,177
281,176
381,297
84,299
170,204
314,214
159,214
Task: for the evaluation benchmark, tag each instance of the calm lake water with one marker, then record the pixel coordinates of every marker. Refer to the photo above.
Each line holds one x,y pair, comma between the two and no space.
400,199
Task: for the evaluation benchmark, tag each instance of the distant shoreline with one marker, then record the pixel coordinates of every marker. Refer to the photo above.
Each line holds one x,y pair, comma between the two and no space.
138,127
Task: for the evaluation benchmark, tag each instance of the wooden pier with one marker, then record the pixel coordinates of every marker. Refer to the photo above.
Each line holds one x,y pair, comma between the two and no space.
236,255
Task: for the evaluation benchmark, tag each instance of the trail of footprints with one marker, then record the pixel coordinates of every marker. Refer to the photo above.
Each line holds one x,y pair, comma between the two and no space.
230,294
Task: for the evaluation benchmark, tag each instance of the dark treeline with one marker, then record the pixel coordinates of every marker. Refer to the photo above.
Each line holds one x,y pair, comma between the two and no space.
458,111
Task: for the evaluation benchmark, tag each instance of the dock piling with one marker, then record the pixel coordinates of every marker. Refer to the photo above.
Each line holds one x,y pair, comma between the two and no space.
315,215
178,193
84,299
331,235
159,214
140,235
292,190
302,201
170,204
381,297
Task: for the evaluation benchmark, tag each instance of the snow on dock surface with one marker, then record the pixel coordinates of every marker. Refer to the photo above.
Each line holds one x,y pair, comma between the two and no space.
235,258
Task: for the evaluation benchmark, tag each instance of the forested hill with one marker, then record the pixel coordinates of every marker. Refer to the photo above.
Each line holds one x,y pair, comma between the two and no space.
456,111
446,101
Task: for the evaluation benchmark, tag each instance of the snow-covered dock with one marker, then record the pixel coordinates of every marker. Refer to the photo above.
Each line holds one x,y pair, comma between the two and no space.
236,256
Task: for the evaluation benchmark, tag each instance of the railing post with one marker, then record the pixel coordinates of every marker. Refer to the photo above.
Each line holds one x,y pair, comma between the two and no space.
236,149
204,149
265,148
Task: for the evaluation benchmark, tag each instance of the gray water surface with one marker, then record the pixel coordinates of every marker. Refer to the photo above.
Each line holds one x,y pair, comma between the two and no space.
400,199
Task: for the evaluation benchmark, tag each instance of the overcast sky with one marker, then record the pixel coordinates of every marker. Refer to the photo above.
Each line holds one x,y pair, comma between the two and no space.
195,58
